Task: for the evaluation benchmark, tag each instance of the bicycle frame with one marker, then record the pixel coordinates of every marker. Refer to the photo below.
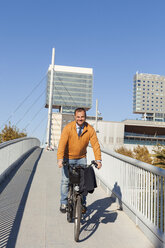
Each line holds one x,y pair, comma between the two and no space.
75,198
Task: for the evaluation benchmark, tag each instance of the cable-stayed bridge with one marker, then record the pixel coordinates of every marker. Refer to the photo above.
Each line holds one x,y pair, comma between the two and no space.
126,210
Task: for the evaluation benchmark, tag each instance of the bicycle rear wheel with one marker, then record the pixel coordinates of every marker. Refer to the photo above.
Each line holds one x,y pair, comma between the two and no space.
77,218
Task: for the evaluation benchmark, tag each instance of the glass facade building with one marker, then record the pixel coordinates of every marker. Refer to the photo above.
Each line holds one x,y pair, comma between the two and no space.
149,96
72,88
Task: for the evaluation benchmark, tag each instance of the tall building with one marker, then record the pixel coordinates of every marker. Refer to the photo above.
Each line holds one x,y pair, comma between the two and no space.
72,88
149,96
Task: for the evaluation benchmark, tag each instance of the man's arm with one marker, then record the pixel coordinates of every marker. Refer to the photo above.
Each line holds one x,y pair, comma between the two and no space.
96,148
61,147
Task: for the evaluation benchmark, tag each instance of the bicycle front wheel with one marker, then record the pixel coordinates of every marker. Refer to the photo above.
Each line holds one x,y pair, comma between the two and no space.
70,205
77,218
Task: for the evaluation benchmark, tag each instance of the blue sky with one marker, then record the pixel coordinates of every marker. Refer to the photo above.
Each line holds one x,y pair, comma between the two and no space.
115,38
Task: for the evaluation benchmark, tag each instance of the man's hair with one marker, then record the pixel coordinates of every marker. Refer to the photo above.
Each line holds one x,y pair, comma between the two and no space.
80,110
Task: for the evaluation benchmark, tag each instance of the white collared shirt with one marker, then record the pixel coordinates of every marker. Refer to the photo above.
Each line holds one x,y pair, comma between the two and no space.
78,127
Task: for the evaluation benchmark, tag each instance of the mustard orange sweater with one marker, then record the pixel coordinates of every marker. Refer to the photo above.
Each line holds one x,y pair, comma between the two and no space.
74,147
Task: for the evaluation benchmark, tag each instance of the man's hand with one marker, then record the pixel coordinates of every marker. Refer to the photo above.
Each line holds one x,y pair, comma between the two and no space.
60,164
99,164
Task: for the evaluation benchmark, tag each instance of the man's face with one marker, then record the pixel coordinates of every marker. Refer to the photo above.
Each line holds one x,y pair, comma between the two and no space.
80,117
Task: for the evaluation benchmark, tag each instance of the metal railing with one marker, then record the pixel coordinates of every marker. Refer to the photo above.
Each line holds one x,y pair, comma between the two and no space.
13,150
138,186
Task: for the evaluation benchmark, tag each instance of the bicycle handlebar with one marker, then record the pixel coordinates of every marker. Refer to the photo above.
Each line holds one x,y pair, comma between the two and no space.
93,162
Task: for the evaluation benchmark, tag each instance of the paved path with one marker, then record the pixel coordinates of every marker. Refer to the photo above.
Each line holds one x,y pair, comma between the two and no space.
43,226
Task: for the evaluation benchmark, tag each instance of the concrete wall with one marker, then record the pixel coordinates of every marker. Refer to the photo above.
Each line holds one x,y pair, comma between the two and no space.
58,122
13,150
110,134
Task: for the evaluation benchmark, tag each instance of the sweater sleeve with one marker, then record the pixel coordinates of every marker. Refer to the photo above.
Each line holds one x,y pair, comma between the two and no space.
62,143
95,145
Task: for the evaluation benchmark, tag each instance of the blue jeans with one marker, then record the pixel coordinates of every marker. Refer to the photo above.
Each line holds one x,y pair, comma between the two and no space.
65,178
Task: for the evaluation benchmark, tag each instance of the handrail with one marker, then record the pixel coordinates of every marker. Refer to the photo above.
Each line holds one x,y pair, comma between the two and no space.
139,187
135,162
10,142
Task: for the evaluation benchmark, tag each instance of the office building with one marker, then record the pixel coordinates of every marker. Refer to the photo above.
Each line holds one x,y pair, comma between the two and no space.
130,133
72,88
149,96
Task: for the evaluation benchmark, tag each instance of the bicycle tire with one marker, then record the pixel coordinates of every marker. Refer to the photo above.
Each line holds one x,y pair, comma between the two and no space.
77,218
70,206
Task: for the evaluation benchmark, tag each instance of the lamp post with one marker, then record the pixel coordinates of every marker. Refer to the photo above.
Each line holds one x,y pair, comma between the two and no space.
96,114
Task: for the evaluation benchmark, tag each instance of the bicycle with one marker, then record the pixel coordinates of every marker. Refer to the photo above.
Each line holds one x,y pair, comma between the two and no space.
75,198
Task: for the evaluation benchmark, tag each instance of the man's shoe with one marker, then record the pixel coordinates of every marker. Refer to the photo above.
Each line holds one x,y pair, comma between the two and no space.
63,208
84,209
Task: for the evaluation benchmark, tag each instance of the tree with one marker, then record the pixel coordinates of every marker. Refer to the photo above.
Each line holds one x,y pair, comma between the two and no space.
123,150
159,156
11,132
141,153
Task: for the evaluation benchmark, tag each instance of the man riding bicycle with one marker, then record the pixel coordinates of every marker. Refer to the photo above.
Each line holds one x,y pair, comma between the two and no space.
72,147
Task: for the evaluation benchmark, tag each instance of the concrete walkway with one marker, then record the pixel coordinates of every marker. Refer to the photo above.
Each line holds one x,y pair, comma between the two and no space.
43,226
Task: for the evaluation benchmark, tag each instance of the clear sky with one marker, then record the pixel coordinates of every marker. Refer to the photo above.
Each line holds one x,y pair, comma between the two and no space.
116,38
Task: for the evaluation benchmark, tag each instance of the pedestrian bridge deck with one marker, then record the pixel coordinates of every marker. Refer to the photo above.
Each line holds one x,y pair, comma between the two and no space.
30,216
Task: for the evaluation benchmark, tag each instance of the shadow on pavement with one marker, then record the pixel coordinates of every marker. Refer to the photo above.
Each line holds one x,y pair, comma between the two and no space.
97,214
